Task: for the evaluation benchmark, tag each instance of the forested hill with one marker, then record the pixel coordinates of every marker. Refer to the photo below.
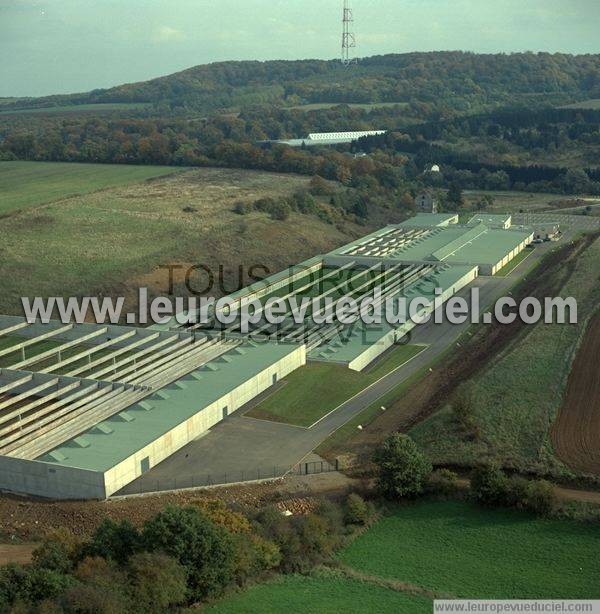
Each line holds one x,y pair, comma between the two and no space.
460,81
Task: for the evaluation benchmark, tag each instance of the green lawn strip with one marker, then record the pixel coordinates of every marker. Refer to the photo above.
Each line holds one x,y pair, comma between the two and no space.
367,415
30,184
311,392
518,395
514,263
468,551
323,592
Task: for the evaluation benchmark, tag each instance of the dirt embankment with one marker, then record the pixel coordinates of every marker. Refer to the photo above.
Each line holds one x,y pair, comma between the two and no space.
576,431
30,519
431,393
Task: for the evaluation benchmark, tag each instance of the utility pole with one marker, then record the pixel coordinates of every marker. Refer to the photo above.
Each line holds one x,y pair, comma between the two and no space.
348,38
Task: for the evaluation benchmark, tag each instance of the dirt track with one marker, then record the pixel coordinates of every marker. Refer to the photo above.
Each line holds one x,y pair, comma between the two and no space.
429,394
576,432
16,553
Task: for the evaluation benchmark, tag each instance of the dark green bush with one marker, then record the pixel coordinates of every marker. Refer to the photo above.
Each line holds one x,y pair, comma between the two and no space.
204,549
540,498
489,486
402,468
280,211
443,482
157,582
114,541
30,585
242,208
357,510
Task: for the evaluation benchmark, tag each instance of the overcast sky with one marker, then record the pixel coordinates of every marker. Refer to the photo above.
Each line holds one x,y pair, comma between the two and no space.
60,46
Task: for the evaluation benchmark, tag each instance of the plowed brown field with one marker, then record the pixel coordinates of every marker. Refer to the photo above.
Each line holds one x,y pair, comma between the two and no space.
576,432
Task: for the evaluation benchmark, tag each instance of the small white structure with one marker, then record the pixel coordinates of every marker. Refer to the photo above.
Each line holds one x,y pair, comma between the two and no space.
426,202
338,136
328,138
434,169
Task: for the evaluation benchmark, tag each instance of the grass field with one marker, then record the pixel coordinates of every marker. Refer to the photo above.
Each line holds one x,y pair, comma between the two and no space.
80,108
322,594
318,106
517,397
111,242
513,202
467,551
30,184
446,549
308,394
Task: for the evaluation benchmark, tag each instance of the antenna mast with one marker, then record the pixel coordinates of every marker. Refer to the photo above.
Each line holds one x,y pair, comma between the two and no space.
348,39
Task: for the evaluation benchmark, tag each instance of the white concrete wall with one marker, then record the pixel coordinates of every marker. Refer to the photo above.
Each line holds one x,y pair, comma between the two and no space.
376,349
48,480
160,449
492,270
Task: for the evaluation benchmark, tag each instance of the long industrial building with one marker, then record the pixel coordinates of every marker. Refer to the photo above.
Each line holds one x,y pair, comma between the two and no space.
86,409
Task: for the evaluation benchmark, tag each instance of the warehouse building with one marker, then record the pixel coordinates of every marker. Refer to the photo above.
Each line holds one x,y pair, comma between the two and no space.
328,138
86,409
105,404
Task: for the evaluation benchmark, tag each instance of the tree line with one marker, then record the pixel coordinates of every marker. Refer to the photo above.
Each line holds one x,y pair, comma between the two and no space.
448,81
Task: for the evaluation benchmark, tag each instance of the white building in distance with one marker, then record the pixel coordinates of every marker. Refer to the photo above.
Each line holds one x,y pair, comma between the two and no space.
329,138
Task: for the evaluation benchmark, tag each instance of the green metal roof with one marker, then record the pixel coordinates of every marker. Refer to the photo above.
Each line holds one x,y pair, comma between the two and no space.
427,220
463,245
357,338
115,439
494,220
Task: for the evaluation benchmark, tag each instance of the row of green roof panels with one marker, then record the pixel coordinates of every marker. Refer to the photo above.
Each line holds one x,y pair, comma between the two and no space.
355,339
115,439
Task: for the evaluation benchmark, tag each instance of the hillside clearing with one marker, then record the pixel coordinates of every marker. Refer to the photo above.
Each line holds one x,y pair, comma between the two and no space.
78,108
113,241
30,184
513,201
593,103
318,106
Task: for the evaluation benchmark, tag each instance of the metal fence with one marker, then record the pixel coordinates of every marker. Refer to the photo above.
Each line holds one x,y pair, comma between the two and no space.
148,484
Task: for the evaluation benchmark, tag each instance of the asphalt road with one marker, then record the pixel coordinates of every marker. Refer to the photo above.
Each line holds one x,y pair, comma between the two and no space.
242,448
